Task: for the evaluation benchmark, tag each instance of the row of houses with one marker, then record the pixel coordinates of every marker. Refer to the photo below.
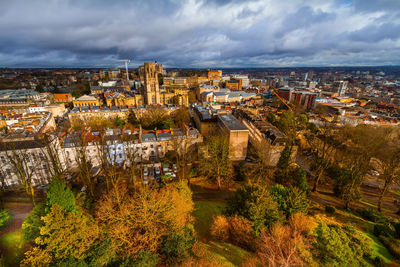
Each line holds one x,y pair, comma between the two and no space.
34,157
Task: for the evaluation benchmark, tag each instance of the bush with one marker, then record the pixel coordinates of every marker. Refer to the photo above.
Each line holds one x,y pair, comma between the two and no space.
384,229
4,218
236,230
302,223
338,246
220,228
330,209
372,215
176,246
33,222
255,204
290,200
241,232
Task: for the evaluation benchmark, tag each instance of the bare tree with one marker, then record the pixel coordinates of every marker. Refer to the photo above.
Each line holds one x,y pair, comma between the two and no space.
18,160
216,163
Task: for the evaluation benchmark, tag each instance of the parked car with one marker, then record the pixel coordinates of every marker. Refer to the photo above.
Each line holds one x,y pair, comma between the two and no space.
145,171
157,171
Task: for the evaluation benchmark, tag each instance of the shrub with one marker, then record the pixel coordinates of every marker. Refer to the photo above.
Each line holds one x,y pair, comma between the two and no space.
4,217
176,246
255,204
330,209
302,223
290,200
279,247
384,229
236,230
220,228
372,215
338,246
241,232
33,222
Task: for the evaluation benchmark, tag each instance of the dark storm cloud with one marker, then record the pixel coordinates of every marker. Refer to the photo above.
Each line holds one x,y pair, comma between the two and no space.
207,33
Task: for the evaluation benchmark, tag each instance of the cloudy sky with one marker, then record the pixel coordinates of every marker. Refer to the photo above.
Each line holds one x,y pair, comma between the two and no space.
203,33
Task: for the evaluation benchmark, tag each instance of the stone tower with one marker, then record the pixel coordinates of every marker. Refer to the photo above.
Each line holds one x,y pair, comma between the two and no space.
151,89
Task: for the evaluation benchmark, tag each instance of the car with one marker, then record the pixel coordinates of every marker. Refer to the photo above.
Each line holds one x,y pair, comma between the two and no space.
157,170
151,172
375,173
248,160
145,171
145,180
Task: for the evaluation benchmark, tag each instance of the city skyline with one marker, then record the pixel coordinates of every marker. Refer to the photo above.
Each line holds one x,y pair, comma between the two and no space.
199,34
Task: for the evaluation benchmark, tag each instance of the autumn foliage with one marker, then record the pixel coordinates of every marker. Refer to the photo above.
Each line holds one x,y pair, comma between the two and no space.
139,220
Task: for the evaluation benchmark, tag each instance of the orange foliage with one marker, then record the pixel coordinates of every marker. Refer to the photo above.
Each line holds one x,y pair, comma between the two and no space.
302,223
236,230
138,221
220,228
280,246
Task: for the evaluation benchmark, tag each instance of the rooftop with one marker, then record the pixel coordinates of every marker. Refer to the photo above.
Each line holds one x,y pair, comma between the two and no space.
232,123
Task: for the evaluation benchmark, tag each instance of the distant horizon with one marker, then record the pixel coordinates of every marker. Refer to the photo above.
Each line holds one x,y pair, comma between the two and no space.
212,68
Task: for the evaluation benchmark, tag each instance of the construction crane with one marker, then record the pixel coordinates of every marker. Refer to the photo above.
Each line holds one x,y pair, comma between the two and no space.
287,104
126,67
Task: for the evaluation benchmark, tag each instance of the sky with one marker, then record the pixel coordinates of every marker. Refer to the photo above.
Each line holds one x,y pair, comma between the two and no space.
199,34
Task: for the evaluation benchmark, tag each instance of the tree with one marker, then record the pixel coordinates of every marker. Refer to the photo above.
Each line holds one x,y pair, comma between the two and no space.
33,222
61,195
324,148
4,218
18,160
132,119
290,200
280,247
177,246
181,117
138,221
64,235
119,122
254,203
39,88
282,167
340,246
262,167
154,118
387,162
51,155
216,164
84,164
359,144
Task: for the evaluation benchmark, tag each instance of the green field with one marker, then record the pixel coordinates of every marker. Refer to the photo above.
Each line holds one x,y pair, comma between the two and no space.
222,253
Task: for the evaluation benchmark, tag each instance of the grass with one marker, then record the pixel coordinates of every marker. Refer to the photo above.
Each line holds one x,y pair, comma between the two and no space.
378,249
224,254
203,213
13,248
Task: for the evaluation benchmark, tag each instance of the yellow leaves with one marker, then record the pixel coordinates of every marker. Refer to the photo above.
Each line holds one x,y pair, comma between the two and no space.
64,234
139,220
37,257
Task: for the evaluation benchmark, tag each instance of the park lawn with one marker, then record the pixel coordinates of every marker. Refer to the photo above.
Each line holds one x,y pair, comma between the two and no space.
222,253
203,213
13,246
378,249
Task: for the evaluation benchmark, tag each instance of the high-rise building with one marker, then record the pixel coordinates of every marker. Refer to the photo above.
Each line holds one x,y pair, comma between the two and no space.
340,87
151,86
